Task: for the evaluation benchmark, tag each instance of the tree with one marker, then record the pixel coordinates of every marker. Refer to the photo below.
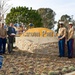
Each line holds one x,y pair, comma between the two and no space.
48,17
66,19
24,15
3,9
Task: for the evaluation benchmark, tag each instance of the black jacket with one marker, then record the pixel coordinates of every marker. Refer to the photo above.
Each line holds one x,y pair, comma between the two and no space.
11,31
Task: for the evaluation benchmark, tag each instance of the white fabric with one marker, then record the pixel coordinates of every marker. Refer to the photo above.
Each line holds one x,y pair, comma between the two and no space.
61,22
70,23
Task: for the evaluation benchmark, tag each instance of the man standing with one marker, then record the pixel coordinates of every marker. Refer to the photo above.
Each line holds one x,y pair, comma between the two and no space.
70,40
11,36
3,34
0,40
61,39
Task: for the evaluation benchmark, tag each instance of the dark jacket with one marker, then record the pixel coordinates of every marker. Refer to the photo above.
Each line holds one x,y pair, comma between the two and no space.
11,31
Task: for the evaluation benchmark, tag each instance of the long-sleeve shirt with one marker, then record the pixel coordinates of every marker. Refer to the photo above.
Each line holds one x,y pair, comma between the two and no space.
62,32
11,30
70,33
3,32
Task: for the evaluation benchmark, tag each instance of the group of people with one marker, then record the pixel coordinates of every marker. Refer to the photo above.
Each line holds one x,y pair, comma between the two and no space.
10,33
7,35
65,35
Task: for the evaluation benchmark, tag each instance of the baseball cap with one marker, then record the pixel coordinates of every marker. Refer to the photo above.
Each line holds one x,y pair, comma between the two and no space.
61,22
70,23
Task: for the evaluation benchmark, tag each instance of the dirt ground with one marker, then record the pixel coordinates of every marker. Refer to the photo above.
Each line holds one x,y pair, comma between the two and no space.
25,63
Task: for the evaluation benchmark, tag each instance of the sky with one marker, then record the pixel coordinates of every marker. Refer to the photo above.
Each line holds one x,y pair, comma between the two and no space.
60,7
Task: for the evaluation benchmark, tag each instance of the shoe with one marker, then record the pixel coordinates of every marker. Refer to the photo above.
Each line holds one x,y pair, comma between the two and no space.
69,57
13,47
59,56
1,53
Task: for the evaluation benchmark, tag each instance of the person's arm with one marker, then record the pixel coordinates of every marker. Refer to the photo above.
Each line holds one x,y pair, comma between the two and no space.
14,30
71,35
6,33
9,31
0,32
58,32
64,33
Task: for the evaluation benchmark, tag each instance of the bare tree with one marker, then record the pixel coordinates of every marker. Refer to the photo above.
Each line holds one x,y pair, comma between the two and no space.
3,9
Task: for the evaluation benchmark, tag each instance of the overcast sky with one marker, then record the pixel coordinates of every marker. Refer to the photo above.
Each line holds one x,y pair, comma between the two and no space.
60,7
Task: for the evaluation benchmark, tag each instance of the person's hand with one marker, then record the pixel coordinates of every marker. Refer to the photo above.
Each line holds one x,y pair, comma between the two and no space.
67,39
7,36
12,35
3,37
60,38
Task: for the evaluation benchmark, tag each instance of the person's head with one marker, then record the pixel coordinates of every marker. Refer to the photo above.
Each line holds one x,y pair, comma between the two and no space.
11,24
70,24
61,24
2,25
20,25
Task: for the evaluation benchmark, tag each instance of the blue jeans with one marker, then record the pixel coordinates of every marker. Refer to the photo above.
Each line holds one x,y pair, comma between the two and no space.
0,44
70,47
10,43
61,44
4,45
